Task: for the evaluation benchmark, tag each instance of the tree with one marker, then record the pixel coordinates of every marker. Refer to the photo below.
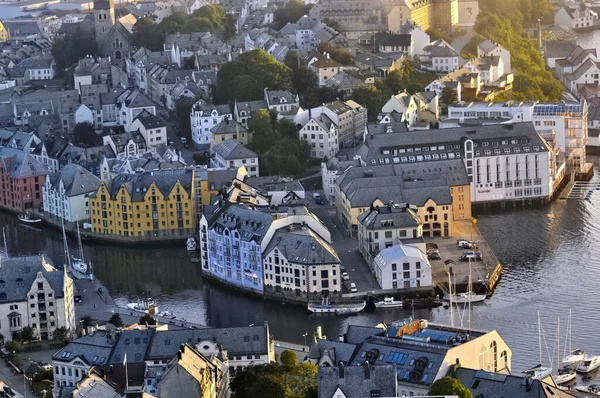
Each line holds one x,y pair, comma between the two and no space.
14,346
436,34
71,48
86,321
214,19
316,96
115,319
450,386
292,12
341,55
304,79
173,23
147,319
27,334
448,95
335,25
287,129
245,78
60,334
269,386
85,135
289,359
181,114
371,98
263,134
147,34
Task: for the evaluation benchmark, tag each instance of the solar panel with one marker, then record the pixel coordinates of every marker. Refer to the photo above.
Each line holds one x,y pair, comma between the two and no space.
404,358
396,355
389,360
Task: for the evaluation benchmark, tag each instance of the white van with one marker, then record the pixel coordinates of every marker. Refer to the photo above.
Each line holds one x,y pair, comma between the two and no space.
353,288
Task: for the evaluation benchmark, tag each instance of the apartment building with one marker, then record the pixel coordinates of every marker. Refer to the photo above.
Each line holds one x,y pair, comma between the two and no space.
440,14
22,177
232,154
152,128
402,266
322,135
204,117
147,205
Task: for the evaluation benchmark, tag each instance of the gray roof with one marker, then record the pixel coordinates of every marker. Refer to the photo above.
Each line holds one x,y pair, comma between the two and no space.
268,184
438,52
135,99
356,334
398,40
93,349
251,106
76,180
20,164
559,49
274,97
149,121
338,351
358,381
251,224
22,28
232,149
228,127
37,63
238,341
17,275
302,246
342,80
133,342
401,217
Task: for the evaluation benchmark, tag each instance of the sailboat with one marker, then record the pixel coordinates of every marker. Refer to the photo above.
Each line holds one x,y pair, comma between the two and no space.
66,247
79,264
566,373
574,357
469,296
539,372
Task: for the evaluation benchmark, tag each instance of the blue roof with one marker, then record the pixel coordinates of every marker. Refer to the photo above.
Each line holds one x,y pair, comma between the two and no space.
558,108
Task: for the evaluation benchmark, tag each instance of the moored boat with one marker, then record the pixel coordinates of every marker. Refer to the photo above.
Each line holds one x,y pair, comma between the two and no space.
28,218
341,308
146,305
574,357
191,244
591,389
465,298
538,372
422,303
388,302
589,363
565,375
166,314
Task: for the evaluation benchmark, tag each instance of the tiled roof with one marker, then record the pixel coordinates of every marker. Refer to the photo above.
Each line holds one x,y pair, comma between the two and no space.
302,246
17,275
138,184
399,216
133,342
149,121
76,180
94,349
232,149
20,164
357,381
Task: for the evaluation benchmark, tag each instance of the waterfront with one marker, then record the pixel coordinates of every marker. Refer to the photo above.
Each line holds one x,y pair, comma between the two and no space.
546,254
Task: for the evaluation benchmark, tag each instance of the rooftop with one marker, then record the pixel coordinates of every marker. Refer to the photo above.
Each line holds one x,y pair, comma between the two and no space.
232,150
300,245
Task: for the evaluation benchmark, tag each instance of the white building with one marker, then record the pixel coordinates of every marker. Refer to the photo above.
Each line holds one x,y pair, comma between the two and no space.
491,48
490,69
322,135
66,193
402,266
232,154
204,117
38,68
280,190
34,293
284,102
576,16
440,56
131,104
152,128
325,67
403,104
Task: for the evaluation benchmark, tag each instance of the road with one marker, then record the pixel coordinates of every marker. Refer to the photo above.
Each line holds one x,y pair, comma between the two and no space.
459,42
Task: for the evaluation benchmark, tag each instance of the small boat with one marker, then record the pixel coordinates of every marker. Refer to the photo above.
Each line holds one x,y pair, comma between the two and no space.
388,302
191,244
538,372
339,309
146,305
574,357
78,265
565,375
464,298
590,362
29,218
421,303
166,314
591,389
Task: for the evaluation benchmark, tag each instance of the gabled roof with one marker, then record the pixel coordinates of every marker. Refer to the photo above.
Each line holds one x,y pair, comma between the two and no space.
302,246
18,274
395,40
357,381
20,164
76,180
232,149
149,121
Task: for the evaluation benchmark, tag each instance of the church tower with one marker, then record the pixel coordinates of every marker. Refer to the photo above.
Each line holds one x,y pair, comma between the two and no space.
104,18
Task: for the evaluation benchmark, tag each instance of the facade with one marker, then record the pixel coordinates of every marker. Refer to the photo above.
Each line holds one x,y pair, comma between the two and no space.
490,48
204,117
232,154
284,102
152,128
325,67
38,68
114,36
130,104
402,266
439,56
440,14
322,135
34,293
66,193
359,381
242,111
21,178
148,205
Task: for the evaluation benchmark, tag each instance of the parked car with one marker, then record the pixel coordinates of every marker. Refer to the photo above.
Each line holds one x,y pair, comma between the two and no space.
345,276
465,244
183,140
433,254
474,256
171,142
317,197
353,288
432,245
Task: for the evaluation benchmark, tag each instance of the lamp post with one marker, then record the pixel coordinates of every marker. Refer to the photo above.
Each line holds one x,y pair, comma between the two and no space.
305,335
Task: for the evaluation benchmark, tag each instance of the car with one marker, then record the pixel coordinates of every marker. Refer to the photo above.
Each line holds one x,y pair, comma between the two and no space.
345,276
353,288
45,366
469,255
171,142
433,254
465,244
246,26
183,140
432,245
316,195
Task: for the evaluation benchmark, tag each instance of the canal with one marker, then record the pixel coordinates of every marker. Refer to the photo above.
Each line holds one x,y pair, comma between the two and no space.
550,264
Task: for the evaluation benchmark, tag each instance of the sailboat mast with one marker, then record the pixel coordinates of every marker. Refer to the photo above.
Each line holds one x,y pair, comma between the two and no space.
450,298
558,343
469,293
68,258
540,336
569,329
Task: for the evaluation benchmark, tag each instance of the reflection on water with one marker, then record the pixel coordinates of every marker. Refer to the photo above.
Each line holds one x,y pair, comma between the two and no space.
547,255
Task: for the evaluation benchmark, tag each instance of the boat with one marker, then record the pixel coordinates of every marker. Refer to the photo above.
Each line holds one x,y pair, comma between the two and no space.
341,308
589,363
388,302
166,314
78,264
591,389
565,375
191,244
574,357
29,218
464,298
146,305
538,372
421,303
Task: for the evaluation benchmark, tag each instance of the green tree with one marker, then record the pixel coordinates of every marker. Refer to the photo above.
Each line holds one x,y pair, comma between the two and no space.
448,95
287,128
292,12
262,129
247,76
316,96
85,135
86,321
14,346
181,114
269,386
147,34
304,79
370,97
173,23
289,359
214,19
395,82
436,34
450,386
115,319
341,55
147,319
68,50
60,334
27,334
292,60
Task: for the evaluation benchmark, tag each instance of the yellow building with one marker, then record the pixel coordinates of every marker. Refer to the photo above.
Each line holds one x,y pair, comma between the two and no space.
209,183
228,130
461,202
440,14
4,35
148,205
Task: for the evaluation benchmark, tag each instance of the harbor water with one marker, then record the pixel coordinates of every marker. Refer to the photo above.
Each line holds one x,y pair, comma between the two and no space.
547,254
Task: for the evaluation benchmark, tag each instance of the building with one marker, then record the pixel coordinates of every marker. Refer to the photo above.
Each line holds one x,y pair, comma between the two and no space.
280,190
66,193
130,104
284,102
204,117
576,16
34,293
395,43
357,382
90,384
491,48
22,177
4,34
147,205
242,111
420,352
152,128
355,18
126,144
232,154
322,135
415,271
114,36
440,14
37,68
440,56
230,130
325,67
298,259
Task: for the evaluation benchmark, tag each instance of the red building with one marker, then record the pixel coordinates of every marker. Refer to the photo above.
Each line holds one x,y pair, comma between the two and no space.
21,180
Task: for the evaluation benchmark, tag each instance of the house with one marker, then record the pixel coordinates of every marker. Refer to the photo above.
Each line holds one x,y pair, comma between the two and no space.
576,16
438,14
139,193
419,38
342,81
92,383
230,130
204,117
66,193
404,105
37,68
35,294
491,48
330,171
280,190
4,35
311,31
90,158
491,70
284,102
555,50
24,113
322,135
395,43
23,29
130,104
151,127
325,67
24,177
440,56
242,111
357,382
415,271
126,144
232,154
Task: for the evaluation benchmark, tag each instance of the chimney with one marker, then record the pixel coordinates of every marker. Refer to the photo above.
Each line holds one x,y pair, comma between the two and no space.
539,34
367,367
341,371
319,332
